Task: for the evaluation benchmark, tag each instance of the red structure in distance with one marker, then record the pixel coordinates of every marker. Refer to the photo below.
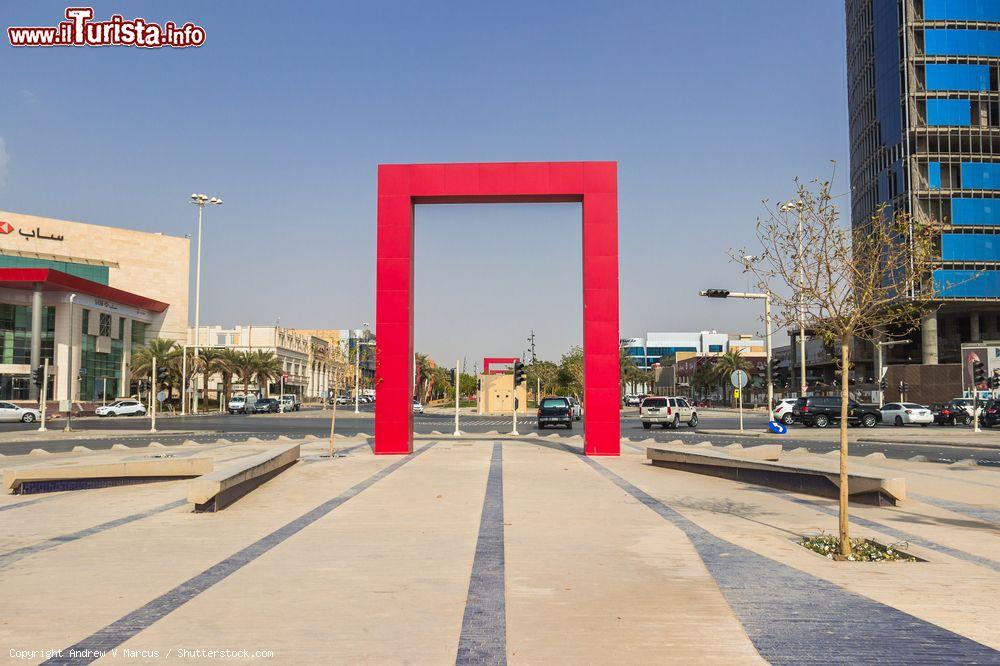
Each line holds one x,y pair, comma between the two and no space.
498,360
402,186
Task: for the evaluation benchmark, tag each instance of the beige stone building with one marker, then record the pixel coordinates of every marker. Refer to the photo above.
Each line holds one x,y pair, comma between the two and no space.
127,287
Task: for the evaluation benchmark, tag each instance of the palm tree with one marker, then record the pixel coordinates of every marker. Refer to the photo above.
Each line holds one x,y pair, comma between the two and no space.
166,352
728,363
266,368
226,363
245,369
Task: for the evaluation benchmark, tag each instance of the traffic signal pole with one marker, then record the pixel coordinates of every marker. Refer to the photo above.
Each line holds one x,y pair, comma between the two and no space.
41,398
458,382
152,398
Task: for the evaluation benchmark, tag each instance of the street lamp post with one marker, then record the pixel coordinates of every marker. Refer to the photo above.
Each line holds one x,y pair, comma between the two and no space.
357,368
69,368
725,293
788,207
199,200
878,371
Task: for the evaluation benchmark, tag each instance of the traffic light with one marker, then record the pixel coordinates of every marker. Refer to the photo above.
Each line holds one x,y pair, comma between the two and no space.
903,387
38,375
520,374
452,375
995,382
142,385
161,375
978,372
716,293
884,384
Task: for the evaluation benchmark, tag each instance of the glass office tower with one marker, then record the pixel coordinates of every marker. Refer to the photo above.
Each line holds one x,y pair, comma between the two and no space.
924,107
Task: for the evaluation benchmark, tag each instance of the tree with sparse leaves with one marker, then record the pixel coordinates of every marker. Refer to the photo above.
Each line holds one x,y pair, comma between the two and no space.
847,282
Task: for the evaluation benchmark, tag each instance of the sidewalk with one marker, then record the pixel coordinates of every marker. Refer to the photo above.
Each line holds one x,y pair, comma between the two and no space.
934,436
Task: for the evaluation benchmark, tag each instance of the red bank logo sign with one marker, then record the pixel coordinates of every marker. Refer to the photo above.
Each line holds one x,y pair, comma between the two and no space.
5,227
81,30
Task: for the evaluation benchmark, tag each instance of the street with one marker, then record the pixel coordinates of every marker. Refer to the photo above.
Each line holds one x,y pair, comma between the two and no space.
92,432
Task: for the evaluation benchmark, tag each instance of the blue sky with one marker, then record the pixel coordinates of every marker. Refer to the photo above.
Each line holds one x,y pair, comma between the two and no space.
286,110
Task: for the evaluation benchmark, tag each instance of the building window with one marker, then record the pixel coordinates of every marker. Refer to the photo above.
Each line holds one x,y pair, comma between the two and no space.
15,333
105,325
138,334
714,348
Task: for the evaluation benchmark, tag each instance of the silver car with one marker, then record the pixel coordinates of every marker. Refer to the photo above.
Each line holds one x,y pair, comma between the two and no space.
11,412
576,407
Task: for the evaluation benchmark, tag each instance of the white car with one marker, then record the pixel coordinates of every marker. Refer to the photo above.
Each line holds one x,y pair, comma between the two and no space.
343,400
242,404
290,403
667,412
11,412
417,407
905,413
783,411
576,407
126,407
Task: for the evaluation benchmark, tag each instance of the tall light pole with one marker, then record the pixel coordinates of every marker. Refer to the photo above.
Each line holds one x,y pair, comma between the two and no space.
199,200
725,293
788,207
357,367
878,369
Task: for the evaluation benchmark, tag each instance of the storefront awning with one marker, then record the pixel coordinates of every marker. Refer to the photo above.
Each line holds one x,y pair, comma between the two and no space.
57,281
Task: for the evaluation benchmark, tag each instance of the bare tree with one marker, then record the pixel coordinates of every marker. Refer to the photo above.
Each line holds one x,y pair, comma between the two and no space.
845,282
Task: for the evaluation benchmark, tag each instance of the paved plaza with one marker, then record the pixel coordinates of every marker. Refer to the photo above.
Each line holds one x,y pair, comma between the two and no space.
483,550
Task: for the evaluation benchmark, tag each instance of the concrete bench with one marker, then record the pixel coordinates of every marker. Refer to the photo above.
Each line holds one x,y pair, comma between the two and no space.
51,477
234,479
819,478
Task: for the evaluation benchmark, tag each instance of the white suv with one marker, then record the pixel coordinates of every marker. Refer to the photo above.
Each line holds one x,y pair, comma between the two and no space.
122,408
668,412
783,411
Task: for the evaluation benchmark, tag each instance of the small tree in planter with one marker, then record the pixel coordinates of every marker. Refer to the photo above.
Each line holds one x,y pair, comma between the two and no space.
845,282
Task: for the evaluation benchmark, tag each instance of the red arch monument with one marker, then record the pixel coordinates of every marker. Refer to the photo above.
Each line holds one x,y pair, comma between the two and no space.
402,186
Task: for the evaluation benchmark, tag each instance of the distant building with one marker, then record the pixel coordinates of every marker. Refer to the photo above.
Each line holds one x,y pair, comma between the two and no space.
666,348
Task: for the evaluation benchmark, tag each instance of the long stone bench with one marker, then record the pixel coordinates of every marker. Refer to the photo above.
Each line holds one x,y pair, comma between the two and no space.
233,480
51,477
813,478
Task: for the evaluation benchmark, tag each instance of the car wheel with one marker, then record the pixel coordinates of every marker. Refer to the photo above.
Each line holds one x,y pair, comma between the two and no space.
822,421
869,421
923,425
898,422
788,419
677,422
646,426
694,421
966,420
28,418
569,425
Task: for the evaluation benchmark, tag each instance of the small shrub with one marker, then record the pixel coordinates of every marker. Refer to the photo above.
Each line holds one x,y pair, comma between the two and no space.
862,550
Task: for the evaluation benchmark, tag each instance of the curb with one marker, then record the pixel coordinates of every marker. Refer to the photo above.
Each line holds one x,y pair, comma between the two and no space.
931,442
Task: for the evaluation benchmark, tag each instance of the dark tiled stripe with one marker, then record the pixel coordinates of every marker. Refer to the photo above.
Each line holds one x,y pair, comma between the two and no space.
484,626
978,512
886,529
9,558
121,630
794,618
18,505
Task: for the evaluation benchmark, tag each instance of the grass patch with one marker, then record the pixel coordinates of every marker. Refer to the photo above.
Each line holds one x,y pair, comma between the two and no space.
862,550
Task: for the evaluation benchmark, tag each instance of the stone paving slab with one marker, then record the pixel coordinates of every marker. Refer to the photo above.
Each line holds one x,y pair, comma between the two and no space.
383,559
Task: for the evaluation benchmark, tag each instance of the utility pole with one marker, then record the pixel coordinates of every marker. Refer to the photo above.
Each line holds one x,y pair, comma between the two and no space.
531,340
458,382
152,398
333,409
69,368
45,390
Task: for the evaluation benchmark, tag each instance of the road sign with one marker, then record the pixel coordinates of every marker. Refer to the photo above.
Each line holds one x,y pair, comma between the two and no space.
777,428
284,376
82,371
161,396
736,393
739,378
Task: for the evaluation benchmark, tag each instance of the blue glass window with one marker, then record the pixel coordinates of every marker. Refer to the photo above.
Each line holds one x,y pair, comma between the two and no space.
949,112
967,284
975,211
980,175
715,348
961,10
962,42
934,175
970,247
85,271
957,77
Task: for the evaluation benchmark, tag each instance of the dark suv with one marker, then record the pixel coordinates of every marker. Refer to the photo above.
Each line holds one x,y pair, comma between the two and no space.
821,411
555,411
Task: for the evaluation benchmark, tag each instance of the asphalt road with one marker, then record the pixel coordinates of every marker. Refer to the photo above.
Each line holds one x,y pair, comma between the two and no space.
174,430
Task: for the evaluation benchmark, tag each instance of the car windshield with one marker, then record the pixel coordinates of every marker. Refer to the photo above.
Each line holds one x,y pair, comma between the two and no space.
654,402
553,402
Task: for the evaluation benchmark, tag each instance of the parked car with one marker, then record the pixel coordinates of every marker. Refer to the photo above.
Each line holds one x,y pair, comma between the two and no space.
821,411
291,403
783,411
266,405
633,400
576,407
555,411
417,407
967,404
127,407
667,412
948,414
11,412
343,400
906,413
242,404
990,415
